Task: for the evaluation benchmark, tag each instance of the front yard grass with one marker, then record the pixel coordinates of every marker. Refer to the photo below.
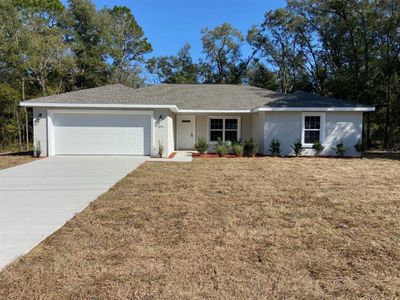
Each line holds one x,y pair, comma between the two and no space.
227,229
9,160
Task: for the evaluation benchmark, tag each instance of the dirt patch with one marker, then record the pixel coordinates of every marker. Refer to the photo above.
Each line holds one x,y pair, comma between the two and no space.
227,229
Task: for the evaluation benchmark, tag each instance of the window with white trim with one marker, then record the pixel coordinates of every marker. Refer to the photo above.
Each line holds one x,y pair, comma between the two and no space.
313,126
224,129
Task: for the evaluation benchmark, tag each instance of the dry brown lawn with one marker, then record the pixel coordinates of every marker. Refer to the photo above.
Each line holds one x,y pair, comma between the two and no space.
227,229
8,161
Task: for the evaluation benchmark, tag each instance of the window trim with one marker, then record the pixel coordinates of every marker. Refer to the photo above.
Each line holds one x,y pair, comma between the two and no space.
321,129
223,127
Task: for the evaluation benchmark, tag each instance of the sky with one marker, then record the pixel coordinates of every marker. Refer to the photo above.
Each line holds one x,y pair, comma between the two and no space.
169,24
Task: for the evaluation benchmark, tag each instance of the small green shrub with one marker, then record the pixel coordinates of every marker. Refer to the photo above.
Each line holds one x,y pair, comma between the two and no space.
37,149
359,146
238,149
160,149
275,147
297,147
318,148
222,148
201,145
250,147
340,149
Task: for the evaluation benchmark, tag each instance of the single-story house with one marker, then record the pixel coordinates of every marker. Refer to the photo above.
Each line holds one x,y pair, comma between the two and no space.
119,120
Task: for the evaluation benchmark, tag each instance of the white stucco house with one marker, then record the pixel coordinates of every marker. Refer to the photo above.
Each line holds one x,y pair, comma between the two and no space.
118,120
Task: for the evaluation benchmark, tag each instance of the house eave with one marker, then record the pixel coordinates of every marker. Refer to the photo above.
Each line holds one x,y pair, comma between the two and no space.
173,108
214,111
315,109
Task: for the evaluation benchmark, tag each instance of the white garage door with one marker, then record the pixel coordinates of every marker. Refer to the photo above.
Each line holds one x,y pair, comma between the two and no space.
101,134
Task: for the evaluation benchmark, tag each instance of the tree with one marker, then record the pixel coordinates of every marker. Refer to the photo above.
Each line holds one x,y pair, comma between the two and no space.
260,76
128,45
175,69
221,47
89,37
281,47
46,49
344,49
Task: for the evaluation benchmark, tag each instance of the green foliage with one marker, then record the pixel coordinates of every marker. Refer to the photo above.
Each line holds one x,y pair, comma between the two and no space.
90,33
359,146
174,69
222,148
221,48
46,48
260,76
275,147
127,44
160,149
238,149
37,149
318,148
201,145
297,147
250,147
339,149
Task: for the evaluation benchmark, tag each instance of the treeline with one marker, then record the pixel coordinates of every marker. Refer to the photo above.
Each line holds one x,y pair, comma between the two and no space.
344,49
47,48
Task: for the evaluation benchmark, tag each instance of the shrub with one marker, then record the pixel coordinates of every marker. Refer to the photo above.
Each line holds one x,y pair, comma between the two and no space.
160,149
250,147
318,148
237,148
222,148
340,149
297,147
275,147
201,145
37,150
359,146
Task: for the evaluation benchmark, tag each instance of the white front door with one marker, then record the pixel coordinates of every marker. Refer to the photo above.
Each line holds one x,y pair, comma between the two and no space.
185,131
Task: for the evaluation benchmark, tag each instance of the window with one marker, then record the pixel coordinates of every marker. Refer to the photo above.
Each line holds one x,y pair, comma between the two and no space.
312,128
224,129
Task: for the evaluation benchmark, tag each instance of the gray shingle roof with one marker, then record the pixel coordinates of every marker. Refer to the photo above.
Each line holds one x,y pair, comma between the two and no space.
109,94
194,97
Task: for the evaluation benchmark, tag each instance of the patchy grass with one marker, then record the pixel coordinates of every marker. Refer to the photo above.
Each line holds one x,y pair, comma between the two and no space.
10,160
225,229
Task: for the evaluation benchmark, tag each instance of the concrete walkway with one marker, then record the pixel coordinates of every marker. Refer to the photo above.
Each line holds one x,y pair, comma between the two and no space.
180,156
37,198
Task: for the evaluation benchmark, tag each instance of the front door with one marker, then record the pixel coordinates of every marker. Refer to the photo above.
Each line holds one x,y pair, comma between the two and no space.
185,131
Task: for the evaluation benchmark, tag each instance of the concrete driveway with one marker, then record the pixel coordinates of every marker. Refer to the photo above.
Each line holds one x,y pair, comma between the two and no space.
39,197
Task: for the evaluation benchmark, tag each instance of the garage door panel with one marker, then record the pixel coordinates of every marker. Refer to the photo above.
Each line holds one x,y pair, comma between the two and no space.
101,134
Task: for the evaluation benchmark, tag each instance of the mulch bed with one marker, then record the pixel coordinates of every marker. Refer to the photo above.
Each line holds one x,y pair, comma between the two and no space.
215,155
172,155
